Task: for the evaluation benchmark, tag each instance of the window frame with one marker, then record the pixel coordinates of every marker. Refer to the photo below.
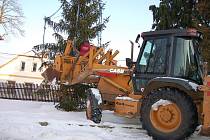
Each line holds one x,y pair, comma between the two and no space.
196,61
22,67
138,67
34,64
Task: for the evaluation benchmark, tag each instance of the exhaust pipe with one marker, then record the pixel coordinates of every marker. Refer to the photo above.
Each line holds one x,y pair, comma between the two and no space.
132,46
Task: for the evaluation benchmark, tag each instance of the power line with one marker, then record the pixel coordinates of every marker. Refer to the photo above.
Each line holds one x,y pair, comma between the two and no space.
56,11
45,21
100,20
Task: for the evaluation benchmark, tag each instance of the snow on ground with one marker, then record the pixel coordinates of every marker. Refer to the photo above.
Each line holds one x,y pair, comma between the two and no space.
26,120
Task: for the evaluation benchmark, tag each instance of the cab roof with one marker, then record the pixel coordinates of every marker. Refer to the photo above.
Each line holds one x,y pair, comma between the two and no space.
174,32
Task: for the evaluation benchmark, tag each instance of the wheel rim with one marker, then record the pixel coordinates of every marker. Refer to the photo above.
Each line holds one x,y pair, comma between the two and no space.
167,118
89,110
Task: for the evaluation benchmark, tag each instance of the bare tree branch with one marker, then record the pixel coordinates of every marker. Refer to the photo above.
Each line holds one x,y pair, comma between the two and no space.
11,17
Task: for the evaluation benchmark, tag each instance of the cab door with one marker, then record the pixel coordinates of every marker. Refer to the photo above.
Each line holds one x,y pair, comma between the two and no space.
152,62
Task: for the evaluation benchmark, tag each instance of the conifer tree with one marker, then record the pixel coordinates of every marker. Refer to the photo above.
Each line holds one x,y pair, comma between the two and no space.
81,20
173,14
203,16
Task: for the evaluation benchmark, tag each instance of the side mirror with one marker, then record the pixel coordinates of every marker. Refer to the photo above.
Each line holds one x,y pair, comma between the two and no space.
137,38
129,63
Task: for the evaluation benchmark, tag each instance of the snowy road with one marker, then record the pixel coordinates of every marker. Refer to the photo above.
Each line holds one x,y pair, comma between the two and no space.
25,120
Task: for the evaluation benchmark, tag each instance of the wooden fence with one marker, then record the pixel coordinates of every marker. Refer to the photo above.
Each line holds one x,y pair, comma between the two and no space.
45,93
24,91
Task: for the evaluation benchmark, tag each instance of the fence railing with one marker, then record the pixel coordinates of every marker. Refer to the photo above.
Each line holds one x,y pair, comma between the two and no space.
24,91
45,93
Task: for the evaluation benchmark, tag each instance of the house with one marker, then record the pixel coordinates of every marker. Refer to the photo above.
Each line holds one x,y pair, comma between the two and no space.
22,68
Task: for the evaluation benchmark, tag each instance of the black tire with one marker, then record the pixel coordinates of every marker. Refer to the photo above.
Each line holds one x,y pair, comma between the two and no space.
93,111
89,108
188,110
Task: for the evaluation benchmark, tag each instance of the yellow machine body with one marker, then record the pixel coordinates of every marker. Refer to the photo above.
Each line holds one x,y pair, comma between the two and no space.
206,107
114,83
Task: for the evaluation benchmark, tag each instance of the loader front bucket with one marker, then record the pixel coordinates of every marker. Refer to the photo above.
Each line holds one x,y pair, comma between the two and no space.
50,74
206,107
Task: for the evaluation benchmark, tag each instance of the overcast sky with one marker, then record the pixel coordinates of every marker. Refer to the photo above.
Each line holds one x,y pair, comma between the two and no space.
127,19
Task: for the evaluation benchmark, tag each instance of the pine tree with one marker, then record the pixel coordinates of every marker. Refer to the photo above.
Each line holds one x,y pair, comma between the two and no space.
81,20
173,14
203,22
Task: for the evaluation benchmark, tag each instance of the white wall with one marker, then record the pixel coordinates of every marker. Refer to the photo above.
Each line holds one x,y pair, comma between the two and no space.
12,71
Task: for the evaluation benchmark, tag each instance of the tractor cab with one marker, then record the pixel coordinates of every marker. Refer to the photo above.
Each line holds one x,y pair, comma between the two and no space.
168,56
169,75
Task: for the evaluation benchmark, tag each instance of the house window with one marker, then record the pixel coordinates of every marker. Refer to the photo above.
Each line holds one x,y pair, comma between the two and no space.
22,67
34,67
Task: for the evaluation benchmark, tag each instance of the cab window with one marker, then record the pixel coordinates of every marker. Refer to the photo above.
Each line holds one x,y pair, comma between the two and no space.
153,58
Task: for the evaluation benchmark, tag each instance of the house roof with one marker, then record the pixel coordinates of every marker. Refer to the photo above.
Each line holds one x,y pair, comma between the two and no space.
27,54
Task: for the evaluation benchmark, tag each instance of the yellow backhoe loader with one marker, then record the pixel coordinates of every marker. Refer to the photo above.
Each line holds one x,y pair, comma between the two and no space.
168,85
